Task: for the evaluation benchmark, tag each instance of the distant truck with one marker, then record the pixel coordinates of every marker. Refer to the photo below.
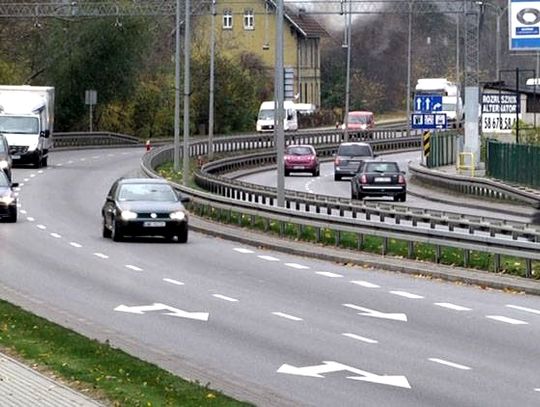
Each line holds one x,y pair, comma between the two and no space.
265,118
452,104
26,120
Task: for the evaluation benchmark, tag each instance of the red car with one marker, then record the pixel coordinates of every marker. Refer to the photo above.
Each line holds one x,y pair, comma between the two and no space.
301,158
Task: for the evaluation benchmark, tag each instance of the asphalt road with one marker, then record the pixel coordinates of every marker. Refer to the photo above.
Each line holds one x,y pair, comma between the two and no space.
241,319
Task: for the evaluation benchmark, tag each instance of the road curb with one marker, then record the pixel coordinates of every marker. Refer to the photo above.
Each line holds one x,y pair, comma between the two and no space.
483,279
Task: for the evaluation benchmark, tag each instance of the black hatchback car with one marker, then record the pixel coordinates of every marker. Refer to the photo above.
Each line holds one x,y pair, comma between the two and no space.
348,157
8,198
144,207
379,178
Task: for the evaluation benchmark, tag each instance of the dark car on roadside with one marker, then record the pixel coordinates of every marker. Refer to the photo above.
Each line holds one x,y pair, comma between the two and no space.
8,198
301,158
379,178
144,207
348,158
5,157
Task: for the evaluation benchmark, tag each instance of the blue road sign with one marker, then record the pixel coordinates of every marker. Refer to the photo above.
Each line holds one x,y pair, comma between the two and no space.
427,103
428,120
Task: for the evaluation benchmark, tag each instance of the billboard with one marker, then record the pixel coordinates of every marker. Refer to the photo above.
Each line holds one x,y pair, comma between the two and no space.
524,25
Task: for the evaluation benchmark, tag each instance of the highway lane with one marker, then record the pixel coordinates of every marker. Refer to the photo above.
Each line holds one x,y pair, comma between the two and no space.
325,185
459,345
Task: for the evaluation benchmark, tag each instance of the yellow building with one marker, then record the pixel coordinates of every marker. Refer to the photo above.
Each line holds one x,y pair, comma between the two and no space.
249,26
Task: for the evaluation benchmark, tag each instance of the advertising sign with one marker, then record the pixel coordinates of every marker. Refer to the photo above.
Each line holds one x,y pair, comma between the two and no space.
524,25
499,112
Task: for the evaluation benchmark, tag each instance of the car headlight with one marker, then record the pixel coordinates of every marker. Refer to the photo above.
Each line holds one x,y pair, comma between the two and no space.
3,164
7,199
128,215
178,215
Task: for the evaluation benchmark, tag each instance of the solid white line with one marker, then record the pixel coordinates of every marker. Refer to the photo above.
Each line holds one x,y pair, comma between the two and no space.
281,314
451,364
75,244
296,266
175,282
507,320
360,338
101,255
365,284
532,310
268,258
242,250
42,227
407,295
328,274
30,219
56,235
223,297
135,268
452,306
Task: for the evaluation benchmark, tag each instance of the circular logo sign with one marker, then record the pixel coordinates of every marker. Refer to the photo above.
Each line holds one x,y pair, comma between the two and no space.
529,16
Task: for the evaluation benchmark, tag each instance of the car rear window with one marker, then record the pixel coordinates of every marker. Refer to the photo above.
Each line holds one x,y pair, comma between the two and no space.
382,167
299,151
355,150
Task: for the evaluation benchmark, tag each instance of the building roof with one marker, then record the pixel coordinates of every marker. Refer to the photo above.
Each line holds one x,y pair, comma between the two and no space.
306,25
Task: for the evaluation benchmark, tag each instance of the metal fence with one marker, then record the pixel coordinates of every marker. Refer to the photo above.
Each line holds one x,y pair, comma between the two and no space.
519,163
443,149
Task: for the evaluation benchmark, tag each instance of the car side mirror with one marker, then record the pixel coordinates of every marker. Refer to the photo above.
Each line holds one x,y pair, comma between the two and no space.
14,185
46,133
185,199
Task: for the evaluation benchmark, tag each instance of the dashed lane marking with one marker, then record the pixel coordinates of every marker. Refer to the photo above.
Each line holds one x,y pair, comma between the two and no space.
56,235
452,306
450,364
101,255
507,320
407,295
134,268
328,274
42,227
175,282
75,244
365,284
287,316
242,250
268,258
297,266
224,297
30,219
531,310
360,338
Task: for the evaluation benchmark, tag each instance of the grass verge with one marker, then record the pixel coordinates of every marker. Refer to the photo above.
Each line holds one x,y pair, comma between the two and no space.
96,369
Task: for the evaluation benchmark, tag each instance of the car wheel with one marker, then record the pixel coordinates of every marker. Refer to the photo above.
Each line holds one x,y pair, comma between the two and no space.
38,161
105,231
337,177
317,172
353,195
403,197
116,232
183,234
287,173
45,161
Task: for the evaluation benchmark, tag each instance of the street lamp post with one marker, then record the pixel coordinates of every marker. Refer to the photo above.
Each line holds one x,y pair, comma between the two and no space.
348,79
177,91
409,46
211,96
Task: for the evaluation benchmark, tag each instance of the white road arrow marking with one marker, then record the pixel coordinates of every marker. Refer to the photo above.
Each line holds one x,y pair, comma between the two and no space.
175,312
331,366
377,314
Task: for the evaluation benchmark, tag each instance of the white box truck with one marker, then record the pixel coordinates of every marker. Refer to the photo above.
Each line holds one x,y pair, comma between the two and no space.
26,120
265,119
452,104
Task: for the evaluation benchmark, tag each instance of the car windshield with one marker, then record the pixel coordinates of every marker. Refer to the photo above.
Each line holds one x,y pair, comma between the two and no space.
19,125
266,115
146,192
358,119
299,151
355,150
382,167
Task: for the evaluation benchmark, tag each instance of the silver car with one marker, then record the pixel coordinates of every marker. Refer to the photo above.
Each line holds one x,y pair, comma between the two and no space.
348,158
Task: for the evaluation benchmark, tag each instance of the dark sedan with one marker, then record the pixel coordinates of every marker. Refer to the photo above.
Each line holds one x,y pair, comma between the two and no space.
5,157
301,158
8,198
144,207
379,178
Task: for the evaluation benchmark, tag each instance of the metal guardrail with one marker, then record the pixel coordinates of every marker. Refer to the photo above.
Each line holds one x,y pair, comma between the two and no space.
475,186
440,229
85,139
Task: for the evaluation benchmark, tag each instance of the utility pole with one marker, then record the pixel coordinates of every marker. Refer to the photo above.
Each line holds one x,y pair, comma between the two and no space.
187,91
211,96
279,135
348,77
176,158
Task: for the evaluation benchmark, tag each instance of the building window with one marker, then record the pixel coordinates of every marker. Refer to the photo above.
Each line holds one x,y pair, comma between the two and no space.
249,20
227,19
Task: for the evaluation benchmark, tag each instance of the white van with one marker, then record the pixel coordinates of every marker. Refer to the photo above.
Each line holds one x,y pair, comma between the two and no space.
265,119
